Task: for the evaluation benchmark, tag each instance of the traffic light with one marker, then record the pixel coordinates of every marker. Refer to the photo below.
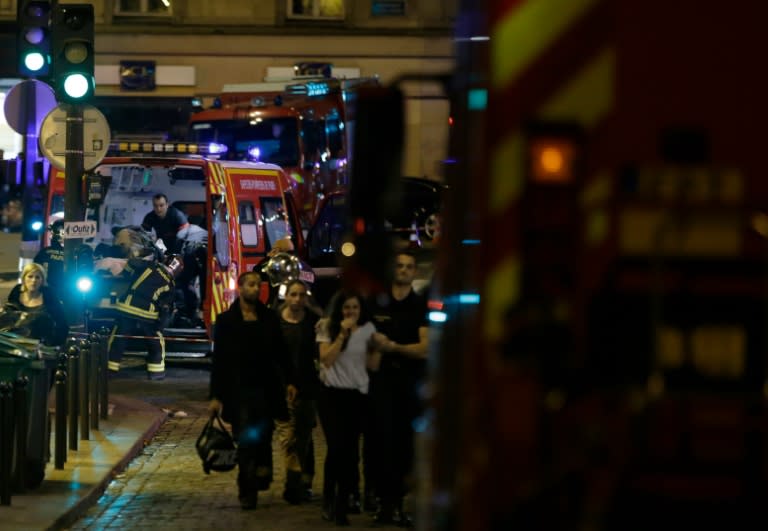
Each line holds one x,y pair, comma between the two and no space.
33,42
73,64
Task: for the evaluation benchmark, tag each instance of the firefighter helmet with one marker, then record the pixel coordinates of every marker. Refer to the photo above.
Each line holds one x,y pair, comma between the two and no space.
57,230
281,268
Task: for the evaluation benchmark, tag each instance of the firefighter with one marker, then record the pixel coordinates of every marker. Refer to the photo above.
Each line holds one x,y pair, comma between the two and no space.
145,307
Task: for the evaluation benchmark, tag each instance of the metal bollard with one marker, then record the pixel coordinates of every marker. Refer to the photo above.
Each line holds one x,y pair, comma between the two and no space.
73,362
85,388
6,442
104,371
21,426
60,440
95,362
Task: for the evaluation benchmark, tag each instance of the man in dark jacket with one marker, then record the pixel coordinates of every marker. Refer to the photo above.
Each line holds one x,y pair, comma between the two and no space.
248,383
400,316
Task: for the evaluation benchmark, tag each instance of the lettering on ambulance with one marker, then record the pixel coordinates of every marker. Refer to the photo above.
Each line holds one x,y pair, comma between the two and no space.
267,185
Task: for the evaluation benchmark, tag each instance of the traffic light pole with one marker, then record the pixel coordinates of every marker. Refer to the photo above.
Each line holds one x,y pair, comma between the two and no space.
29,237
73,174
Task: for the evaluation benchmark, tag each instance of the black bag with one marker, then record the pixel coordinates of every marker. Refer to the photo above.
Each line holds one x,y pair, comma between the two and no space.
216,447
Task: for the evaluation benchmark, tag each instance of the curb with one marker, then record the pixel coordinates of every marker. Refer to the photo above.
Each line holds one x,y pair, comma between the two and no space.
85,503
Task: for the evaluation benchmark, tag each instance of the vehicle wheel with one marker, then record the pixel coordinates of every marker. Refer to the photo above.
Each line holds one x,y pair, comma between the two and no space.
431,227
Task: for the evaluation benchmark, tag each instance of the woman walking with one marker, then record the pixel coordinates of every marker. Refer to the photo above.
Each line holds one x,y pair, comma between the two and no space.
346,355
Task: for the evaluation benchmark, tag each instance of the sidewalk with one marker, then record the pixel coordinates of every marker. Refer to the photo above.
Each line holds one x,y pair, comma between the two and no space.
65,495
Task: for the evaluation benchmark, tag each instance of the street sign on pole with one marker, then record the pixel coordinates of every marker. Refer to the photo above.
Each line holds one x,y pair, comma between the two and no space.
95,136
30,96
79,229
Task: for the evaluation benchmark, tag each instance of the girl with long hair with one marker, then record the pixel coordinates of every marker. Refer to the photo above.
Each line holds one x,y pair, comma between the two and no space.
346,354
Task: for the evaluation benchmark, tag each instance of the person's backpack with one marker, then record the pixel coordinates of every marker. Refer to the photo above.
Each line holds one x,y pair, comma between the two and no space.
216,447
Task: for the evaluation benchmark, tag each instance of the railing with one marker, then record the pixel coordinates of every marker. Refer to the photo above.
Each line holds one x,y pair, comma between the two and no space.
78,376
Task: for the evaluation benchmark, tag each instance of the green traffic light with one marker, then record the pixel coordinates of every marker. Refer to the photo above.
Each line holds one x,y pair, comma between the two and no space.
76,86
34,61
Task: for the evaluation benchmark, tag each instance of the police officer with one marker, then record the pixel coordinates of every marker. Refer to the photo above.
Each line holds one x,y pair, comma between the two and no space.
52,259
145,306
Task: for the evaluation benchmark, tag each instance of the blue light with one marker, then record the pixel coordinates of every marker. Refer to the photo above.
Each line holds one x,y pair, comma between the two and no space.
477,99
254,153
470,241
317,89
252,434
36,225
420,424
216,149
438,317
84,284
469,298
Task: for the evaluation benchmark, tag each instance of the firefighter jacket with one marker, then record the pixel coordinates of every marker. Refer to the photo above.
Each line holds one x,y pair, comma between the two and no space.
150,292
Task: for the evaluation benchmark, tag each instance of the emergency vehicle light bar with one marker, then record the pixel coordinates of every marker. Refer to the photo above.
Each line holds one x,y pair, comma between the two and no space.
312,88
168,148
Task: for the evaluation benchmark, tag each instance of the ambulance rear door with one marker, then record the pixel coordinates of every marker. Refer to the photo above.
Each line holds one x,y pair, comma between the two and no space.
263,213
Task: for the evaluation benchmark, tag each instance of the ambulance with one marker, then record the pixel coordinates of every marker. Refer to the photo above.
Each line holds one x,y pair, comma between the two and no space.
245,207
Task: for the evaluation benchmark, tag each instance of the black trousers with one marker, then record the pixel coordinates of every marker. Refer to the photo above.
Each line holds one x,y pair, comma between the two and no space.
194,269
394,405
341,412
253,432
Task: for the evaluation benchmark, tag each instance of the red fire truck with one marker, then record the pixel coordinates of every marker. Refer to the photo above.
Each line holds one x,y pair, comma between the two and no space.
303,125
602,350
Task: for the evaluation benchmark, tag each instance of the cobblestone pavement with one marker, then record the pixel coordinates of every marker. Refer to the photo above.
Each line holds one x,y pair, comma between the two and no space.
164,487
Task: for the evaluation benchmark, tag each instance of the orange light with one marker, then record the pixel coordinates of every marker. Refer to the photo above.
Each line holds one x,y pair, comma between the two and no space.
433,304
552,161
359,226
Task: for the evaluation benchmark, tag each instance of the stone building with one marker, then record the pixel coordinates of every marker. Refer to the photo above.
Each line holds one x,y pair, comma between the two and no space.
197,46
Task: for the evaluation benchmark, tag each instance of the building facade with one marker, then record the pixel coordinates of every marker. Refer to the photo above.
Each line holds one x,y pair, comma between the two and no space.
196,46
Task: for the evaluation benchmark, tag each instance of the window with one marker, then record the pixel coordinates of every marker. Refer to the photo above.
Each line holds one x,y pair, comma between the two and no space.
275,220
320,9
249,230
8,7
220,229
388,8
143,7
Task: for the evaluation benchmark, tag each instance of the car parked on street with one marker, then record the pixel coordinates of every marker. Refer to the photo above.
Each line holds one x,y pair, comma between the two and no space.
417,219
